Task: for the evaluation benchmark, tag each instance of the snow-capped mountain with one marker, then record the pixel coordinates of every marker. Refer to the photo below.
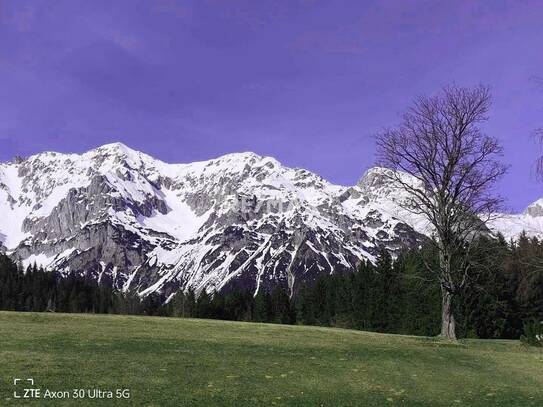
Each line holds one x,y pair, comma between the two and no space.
238,220
530,221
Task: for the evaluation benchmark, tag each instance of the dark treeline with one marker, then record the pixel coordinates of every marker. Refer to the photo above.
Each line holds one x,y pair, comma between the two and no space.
37,290
394,296
398,296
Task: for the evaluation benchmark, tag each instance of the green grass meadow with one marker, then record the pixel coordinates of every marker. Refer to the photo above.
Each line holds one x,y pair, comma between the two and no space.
189,362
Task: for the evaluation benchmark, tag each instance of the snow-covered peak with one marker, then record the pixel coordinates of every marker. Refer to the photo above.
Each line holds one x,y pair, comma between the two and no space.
120,150
116,147
235,163
535,209
246,156
375,177
110,156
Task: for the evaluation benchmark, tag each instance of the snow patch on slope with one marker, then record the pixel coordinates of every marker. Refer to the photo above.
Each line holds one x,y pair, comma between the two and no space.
13,212
179,222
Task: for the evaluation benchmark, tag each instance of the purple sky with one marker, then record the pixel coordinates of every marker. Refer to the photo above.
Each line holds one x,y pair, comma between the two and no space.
307,82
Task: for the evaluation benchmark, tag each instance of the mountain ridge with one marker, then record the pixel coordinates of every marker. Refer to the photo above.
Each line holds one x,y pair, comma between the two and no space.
122,216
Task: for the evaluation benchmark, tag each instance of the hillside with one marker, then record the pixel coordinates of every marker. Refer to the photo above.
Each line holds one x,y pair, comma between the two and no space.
241,220
178,362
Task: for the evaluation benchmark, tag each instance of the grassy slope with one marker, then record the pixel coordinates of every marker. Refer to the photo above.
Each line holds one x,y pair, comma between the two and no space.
214,363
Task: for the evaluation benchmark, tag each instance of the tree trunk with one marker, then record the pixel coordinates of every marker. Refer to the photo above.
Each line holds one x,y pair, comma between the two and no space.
448,327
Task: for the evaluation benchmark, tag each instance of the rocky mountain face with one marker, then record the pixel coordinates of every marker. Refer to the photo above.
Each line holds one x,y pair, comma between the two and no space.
239,220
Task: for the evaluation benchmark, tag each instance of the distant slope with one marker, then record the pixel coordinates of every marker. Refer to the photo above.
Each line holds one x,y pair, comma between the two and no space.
530,221
175,362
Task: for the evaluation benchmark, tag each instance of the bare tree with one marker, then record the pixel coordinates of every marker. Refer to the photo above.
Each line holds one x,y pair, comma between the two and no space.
453,166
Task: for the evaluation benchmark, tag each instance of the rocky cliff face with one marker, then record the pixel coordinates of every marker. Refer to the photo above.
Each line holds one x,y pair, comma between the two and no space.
239,220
